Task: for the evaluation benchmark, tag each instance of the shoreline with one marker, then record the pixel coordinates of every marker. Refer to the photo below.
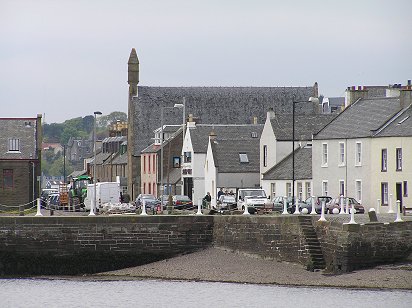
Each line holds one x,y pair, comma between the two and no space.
221,265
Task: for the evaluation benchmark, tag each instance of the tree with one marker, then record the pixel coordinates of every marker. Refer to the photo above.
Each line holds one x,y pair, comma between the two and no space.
113,117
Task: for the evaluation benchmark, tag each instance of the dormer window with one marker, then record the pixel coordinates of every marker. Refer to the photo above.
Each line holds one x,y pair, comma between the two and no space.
254,135
243,158
14,145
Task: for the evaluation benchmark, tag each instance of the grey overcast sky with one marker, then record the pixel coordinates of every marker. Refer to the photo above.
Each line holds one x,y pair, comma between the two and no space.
67,59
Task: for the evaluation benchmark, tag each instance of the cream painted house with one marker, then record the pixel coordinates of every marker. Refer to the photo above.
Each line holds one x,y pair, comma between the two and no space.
347,154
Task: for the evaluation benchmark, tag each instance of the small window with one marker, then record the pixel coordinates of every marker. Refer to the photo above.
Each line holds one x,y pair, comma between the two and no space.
254,135
342,187
384,160
243,158
7,178
384,193
325,191
341,153
399,159
324,154
273,189
358,154
358,185
405,188
265,156
308,190
187,157
14,145
289,189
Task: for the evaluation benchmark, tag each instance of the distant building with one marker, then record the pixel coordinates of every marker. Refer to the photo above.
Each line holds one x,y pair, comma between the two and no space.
20,159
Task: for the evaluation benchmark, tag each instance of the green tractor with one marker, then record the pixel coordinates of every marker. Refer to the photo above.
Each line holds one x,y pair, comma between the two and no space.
78,191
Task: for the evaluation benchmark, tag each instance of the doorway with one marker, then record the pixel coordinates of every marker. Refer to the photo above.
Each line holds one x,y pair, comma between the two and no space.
188,187
399,194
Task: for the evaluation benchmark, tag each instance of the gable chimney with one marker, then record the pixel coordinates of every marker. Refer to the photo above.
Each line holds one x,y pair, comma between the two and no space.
405,96
352,94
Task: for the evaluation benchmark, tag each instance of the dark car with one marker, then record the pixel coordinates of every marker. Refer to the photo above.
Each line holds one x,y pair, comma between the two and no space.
181,202
45,196
227,202
150,201
335,204
318,204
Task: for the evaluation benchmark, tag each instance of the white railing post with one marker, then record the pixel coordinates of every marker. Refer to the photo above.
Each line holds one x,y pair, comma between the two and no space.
352,216
199,207
296,212
342,210
38,208
143,207
378,208
313,211
322,213
285,206
398,211
390,210
347,206
246,212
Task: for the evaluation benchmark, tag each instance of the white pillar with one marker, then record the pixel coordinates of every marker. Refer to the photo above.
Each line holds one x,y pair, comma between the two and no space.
246,212
342,210
390,210
378,208
347,206
38,208
285,207
313,211
322,213
199,207
143,207
398,211
296,212
352,216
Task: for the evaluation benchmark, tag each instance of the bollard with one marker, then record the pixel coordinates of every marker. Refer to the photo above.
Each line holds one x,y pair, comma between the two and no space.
390,210
51,212
199,207
143,208
38,208
21,210
378,208
322,213
296,212
313,211
246,212
347,206
342,210
398,211
285,206
352,216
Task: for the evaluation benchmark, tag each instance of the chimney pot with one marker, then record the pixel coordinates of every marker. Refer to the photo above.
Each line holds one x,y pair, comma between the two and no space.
359,87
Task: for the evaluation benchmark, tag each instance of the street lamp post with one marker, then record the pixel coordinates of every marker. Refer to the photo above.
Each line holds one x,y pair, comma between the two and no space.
161,145
311,99
93,205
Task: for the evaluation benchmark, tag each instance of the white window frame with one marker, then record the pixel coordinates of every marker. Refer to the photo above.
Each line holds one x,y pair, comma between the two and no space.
385,193
324,154
398,152
265,155
289,189
384,160
14,145
358,188
358,153
299,187
273,190
308,189
342,187
341,154
325,188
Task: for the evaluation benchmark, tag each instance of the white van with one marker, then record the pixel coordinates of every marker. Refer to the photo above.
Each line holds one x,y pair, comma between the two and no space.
254,198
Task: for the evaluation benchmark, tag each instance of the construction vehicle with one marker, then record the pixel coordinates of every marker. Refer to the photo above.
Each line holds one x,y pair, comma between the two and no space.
78,191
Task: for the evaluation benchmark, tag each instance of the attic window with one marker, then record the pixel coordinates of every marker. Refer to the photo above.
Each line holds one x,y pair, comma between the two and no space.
27,124
254,135
403,120
243,158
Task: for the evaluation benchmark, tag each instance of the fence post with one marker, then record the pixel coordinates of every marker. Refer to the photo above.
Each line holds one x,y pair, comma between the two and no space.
21,210
322,214
38,208
398,211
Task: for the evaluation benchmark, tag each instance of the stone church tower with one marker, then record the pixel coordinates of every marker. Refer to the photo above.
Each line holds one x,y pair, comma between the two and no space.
132,80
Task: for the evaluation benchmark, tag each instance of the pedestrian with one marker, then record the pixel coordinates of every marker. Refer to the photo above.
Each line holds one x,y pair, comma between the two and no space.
207,199
220,193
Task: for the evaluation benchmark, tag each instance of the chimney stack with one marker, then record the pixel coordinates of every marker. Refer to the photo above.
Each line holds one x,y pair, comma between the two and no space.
352,95
405,96
212,135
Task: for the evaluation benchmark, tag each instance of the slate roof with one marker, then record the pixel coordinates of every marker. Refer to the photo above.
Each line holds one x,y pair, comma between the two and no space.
18,128
226,155
200,134
283,169
153,148
211,105
360,119
399,126
305,125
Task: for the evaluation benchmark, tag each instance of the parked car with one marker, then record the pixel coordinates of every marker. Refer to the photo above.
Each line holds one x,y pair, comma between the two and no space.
227,202
318,204
44,196
150,201
335,204
279,201
53,201
181,202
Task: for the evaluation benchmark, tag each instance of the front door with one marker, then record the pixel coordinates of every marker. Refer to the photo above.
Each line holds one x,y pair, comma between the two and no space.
188,187
399,194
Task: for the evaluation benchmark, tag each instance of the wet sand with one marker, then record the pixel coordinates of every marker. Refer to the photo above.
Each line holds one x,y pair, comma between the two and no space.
216,264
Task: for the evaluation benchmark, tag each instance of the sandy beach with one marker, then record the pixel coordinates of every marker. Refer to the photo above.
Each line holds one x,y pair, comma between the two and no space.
216,264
